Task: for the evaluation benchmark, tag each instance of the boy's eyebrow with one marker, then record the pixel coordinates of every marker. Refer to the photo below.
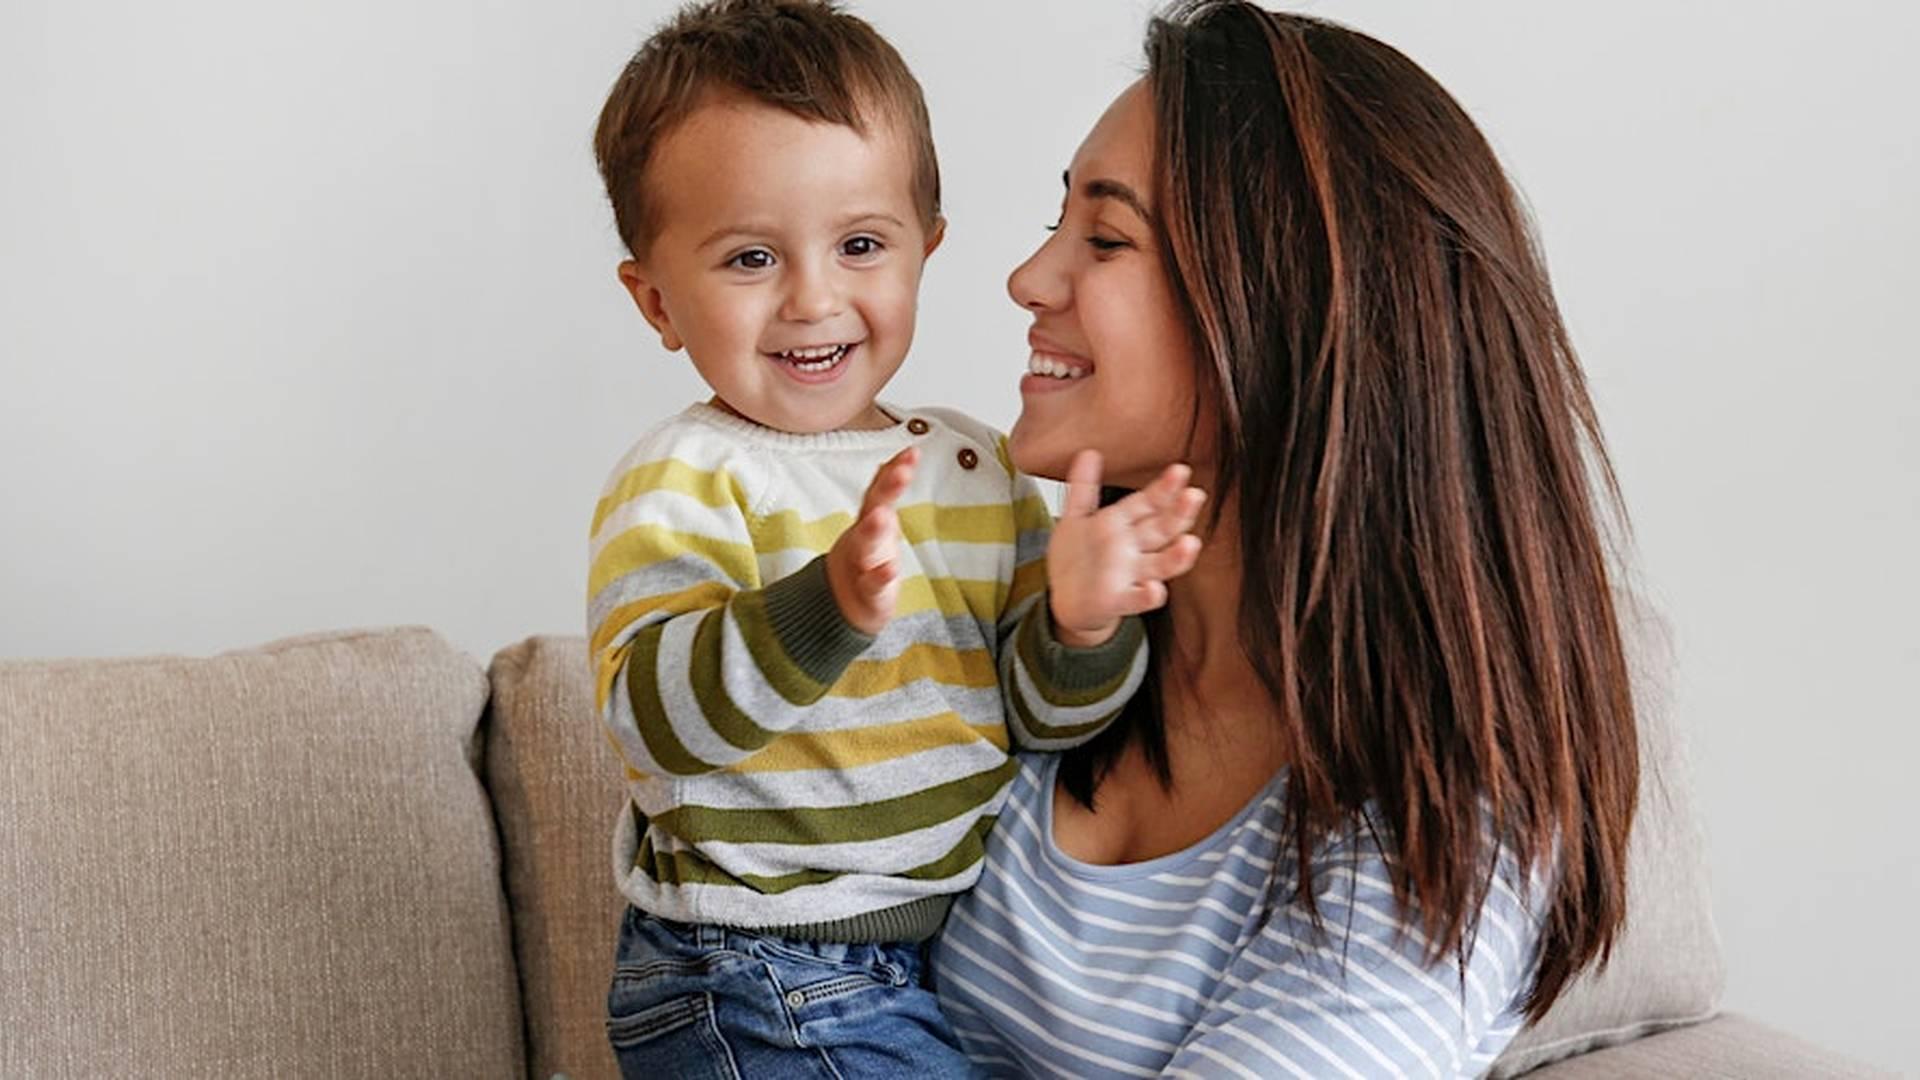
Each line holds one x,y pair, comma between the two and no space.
871,215
753,229
725,231
1103,188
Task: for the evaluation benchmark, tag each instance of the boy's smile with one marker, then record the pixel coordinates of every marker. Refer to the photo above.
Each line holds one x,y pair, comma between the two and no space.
786,262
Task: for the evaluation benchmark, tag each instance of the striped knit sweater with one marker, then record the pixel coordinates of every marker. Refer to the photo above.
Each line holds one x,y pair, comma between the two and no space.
787,772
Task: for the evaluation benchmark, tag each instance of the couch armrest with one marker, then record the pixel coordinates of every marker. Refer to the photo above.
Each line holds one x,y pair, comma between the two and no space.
1728,1047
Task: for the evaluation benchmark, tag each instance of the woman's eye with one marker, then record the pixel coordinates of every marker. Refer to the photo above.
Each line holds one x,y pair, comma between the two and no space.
1104,245
860,247
755,259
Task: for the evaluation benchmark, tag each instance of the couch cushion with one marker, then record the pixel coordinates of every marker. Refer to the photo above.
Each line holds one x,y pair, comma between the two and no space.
556,788
271,862
1666,969
1727,1047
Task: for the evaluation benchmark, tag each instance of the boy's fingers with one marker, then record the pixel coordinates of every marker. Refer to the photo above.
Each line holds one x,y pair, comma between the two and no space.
1166,488
1176,559
1083,485
1157,531
1144,596
873,538
891,479
1164,495
875,581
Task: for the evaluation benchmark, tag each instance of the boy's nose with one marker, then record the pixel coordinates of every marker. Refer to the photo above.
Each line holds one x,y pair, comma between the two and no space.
815,296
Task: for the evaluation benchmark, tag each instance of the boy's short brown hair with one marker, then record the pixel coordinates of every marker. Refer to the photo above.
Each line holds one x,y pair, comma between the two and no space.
805,56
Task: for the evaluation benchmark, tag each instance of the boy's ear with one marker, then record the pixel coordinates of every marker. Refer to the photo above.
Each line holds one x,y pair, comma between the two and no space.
934,237
652,307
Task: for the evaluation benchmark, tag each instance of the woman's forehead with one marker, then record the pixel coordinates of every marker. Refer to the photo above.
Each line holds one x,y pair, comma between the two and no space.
1120,146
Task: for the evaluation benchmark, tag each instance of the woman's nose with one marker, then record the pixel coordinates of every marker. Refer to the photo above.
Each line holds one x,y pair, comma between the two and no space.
1036,284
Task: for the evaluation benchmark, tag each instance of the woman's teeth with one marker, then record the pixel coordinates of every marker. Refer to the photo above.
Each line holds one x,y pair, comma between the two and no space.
1054,369
815,359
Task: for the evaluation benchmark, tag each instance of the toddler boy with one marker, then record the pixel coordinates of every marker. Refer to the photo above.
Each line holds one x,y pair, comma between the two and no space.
818,620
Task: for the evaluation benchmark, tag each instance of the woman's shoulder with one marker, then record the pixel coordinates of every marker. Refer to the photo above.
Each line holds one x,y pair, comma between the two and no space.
1361,898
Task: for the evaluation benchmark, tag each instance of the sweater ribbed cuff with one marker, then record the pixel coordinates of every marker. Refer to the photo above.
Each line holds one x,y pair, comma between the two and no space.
809,626
1076,671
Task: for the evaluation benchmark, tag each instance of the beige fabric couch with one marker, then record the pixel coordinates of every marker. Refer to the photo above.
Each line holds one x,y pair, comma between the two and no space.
362,854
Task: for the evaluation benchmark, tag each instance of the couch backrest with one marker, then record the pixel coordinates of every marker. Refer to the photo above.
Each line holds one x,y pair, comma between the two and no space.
1666,969
556,784
272,862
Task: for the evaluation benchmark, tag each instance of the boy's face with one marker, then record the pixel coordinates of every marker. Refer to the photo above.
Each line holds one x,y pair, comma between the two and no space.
787,262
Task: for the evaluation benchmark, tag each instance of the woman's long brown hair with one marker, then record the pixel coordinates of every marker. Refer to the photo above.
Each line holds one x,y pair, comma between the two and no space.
1419,474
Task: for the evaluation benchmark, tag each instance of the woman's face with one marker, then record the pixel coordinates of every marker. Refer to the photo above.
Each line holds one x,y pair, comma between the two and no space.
1112,367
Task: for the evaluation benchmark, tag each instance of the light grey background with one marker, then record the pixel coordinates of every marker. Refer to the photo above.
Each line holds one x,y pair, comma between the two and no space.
308,319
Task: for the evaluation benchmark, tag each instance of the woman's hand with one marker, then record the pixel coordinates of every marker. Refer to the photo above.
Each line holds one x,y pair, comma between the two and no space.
863,568
1105,563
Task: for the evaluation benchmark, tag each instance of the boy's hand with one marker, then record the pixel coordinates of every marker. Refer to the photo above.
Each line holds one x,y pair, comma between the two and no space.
863,565
1105,563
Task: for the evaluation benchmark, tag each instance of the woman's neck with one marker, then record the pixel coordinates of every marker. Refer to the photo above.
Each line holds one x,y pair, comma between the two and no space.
1210,691
1203,605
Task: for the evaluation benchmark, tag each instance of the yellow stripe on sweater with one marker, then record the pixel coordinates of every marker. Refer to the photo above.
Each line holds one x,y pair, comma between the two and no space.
711,487
945,665
869,745
1027,580
952,597
637,549
920,523
707,594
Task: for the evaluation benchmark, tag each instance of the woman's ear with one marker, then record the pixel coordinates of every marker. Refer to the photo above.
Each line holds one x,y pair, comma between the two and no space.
653,307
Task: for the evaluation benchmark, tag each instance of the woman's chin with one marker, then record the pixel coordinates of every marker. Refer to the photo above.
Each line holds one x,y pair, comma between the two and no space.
1037,456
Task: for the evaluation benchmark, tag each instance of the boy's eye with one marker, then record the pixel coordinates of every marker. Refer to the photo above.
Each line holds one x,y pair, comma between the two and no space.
754,259
860,247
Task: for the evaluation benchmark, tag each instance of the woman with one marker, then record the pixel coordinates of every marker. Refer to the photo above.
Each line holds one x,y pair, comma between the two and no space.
1370,813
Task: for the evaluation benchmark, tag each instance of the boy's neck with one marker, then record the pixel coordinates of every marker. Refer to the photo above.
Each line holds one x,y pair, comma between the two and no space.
873,419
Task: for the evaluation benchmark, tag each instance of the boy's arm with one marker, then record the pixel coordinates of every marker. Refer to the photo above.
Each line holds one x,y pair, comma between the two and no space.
698,666
1058,696
1061,690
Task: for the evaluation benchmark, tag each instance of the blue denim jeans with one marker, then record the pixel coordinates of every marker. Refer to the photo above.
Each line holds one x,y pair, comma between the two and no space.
700,1002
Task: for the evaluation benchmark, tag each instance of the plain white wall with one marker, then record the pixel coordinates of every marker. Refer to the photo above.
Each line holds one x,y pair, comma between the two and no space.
308,319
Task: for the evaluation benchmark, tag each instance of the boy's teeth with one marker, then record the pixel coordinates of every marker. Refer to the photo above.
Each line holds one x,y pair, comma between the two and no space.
1054,369
817,353
815,359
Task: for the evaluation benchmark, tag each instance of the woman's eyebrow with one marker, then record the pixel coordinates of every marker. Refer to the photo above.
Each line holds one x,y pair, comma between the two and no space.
1102,188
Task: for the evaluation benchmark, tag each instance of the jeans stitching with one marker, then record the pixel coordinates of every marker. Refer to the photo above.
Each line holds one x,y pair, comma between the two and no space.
815,993
651,1023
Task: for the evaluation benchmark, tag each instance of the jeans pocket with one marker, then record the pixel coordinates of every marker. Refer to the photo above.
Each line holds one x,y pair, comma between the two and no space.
855,965
677,1037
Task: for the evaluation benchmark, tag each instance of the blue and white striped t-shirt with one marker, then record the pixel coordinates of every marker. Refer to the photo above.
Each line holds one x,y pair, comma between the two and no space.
1181,965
